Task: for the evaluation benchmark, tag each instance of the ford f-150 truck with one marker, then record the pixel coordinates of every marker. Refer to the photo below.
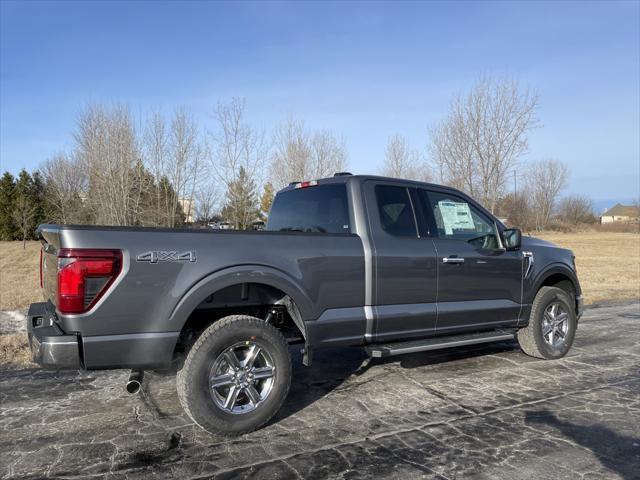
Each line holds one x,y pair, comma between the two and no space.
391,266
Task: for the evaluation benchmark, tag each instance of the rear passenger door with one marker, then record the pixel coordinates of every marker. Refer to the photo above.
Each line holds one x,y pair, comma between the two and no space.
404,265
479,282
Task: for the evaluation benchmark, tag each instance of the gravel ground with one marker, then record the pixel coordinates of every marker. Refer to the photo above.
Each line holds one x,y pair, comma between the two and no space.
476,412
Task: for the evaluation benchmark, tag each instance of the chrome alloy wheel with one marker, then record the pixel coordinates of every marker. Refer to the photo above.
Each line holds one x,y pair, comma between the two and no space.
242,377
555,324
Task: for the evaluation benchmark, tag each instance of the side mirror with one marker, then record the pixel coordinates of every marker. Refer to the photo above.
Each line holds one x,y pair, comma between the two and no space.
512,238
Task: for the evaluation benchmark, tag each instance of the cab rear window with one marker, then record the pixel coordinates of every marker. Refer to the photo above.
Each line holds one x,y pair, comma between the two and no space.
319,209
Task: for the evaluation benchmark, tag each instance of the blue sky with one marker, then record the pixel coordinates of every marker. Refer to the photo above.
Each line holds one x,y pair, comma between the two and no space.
363,70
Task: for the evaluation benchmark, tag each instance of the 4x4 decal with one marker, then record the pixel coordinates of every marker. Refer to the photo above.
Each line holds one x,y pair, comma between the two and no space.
156,256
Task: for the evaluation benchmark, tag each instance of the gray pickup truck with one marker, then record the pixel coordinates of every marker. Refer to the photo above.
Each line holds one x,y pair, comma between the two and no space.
391,266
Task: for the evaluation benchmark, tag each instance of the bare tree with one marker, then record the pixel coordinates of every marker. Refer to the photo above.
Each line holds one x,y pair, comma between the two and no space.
23,216
207,201
155,150
239,154
107,150
299,154
184,163
576,209
401,161
516,208
545,181
453,155
328,154
175,155
65,184
483,136
291,155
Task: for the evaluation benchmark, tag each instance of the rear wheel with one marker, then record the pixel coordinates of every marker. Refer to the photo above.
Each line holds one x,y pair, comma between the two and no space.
236,376
552,325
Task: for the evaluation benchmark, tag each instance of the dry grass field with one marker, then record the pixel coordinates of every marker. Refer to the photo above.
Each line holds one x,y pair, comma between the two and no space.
608,263
19,275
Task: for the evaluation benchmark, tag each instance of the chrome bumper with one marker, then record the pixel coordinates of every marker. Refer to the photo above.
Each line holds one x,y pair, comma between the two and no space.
50,346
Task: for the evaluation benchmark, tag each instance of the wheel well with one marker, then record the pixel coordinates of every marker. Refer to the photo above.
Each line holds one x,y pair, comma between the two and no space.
561,281
254,299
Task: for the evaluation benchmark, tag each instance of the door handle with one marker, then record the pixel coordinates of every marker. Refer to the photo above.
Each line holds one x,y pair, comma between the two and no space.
452,260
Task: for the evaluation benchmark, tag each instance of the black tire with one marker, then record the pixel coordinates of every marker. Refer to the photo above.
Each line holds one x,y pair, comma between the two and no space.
193,384
531,338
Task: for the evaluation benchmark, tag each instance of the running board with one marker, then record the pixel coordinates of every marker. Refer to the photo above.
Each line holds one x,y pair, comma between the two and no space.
436,343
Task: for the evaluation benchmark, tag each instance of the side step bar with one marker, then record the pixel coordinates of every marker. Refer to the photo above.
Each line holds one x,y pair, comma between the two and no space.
436,343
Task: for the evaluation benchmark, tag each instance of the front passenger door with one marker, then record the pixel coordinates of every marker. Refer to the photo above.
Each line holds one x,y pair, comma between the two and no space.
479,282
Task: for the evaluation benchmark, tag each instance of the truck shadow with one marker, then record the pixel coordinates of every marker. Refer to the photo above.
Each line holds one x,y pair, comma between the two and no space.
618,453
336,368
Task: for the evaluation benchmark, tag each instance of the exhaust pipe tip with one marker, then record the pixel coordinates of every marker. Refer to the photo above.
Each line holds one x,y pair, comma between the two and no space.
133,387
135,382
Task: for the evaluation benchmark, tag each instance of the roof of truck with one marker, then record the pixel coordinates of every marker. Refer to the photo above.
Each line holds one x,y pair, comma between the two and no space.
344,177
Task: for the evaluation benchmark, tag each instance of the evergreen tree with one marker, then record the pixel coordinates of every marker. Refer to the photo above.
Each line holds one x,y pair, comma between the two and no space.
265,201
23,216
25,207
39,199
8,230
142,192
242,203
168,200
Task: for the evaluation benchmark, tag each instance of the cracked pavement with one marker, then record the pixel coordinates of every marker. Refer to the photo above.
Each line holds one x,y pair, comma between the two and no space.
475,412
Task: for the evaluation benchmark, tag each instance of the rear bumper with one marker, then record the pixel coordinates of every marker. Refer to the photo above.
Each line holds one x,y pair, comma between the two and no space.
50,346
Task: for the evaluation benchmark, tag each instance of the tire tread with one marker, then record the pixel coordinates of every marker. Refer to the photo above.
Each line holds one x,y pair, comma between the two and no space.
526,336
182,377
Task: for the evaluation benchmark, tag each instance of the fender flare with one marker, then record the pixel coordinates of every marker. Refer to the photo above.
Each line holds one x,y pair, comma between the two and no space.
234,276
553,269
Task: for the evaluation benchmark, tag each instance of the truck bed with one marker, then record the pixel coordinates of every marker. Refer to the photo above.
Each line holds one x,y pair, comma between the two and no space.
165,273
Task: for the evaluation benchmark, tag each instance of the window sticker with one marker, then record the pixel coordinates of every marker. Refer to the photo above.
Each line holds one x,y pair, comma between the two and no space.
455,216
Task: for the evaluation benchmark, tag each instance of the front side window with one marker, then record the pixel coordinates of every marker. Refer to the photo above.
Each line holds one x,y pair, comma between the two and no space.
396,213
320,209
457,219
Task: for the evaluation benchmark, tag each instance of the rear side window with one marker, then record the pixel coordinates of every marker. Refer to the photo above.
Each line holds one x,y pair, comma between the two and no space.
396,213
321,208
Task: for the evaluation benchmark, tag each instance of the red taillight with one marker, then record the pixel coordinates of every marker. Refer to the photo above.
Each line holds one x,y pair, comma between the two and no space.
84,275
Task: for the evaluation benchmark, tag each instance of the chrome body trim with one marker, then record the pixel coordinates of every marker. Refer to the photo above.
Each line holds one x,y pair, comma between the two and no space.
529,257
369,316
454,260
362,230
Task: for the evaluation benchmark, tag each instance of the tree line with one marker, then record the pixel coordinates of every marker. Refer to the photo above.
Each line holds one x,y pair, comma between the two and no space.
22,205
163,170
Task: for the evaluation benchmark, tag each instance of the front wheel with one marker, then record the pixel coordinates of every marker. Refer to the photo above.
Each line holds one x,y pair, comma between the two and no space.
236,376
552,325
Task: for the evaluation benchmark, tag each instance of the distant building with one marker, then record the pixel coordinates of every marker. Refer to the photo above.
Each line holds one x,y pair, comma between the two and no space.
189,208
621,214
